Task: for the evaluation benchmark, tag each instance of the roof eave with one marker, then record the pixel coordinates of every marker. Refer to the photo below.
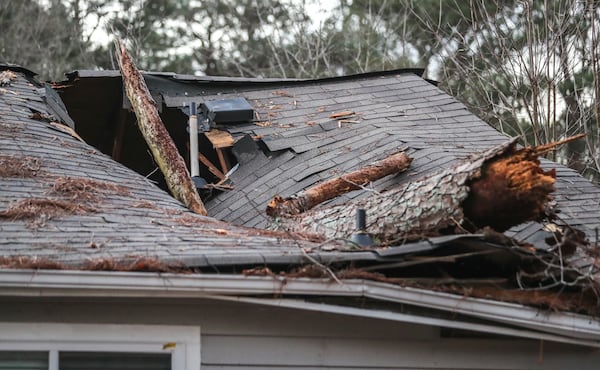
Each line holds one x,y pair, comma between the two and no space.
572,328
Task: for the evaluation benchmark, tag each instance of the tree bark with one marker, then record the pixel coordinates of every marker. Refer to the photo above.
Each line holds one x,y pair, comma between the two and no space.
330,189
158,139
499,188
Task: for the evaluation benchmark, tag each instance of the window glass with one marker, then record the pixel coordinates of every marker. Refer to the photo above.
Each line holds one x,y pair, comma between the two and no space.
17,360
114,361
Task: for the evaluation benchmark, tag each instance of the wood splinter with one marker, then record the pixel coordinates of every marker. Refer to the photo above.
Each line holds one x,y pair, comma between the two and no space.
512,189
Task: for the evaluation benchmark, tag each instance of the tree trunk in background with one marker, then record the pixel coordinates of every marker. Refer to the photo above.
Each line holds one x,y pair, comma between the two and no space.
163,149
330,189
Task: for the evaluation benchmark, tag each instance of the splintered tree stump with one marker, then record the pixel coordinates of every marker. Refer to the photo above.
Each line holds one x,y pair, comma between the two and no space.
157,137
511,190
330,189
498,188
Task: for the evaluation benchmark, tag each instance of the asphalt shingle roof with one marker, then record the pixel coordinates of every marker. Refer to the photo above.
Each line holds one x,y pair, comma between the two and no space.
65,201
301,145
124,215
392,112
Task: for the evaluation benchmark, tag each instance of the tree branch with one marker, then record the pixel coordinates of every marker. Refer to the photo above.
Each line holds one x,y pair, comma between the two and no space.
162,146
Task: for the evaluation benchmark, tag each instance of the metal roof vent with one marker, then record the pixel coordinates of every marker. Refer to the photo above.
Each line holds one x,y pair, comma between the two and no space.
361,236
236,110
199,182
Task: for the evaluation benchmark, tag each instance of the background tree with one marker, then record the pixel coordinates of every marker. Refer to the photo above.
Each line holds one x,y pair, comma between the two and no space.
45,37
529,68
214,37
155,30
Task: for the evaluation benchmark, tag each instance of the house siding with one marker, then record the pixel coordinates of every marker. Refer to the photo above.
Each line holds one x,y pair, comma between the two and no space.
243,336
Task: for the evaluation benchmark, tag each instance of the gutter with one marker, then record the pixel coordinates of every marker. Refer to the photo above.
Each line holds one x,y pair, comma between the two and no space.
555,326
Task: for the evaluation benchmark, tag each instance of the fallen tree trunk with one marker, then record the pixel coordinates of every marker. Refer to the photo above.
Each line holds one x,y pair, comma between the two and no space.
158,139
330,189
499,188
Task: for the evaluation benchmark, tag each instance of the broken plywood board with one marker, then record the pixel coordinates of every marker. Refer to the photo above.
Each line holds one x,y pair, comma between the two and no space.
220,139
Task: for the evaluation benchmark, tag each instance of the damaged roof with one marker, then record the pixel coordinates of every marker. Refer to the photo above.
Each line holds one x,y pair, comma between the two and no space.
65,201
307,131
69,204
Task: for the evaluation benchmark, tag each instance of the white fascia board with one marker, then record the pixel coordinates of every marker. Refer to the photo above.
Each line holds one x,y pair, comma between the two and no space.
139,284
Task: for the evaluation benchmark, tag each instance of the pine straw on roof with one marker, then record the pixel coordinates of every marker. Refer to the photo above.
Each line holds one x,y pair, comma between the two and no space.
86,190
23,262
19,166
139,264
8,129
144,204
72,196
7,77
585,301
43,207
133,264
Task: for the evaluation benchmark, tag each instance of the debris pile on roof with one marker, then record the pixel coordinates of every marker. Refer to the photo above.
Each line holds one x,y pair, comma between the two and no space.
40,210
487,265
19,166
6,77
67,195
84,189
140,264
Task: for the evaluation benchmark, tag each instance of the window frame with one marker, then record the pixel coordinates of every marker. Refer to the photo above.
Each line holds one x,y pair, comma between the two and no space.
182,342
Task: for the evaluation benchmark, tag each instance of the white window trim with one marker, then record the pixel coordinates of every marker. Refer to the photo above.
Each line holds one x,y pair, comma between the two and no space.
182,342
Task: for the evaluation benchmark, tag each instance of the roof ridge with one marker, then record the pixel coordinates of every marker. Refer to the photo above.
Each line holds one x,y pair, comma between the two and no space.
261,80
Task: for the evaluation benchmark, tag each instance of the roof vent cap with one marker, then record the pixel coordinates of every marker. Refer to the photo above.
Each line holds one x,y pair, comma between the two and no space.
224,111
360,236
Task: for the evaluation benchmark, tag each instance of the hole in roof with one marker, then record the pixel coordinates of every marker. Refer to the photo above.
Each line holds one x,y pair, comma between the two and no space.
110,126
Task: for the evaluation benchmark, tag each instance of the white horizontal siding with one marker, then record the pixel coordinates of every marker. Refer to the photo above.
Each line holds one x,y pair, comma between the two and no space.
239,336
220,318
334,353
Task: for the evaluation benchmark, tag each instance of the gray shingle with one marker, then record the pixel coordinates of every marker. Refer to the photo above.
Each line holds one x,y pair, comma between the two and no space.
115,226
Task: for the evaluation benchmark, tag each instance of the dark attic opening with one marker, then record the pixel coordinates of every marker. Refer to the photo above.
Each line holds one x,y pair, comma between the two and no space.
104,118
207,139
